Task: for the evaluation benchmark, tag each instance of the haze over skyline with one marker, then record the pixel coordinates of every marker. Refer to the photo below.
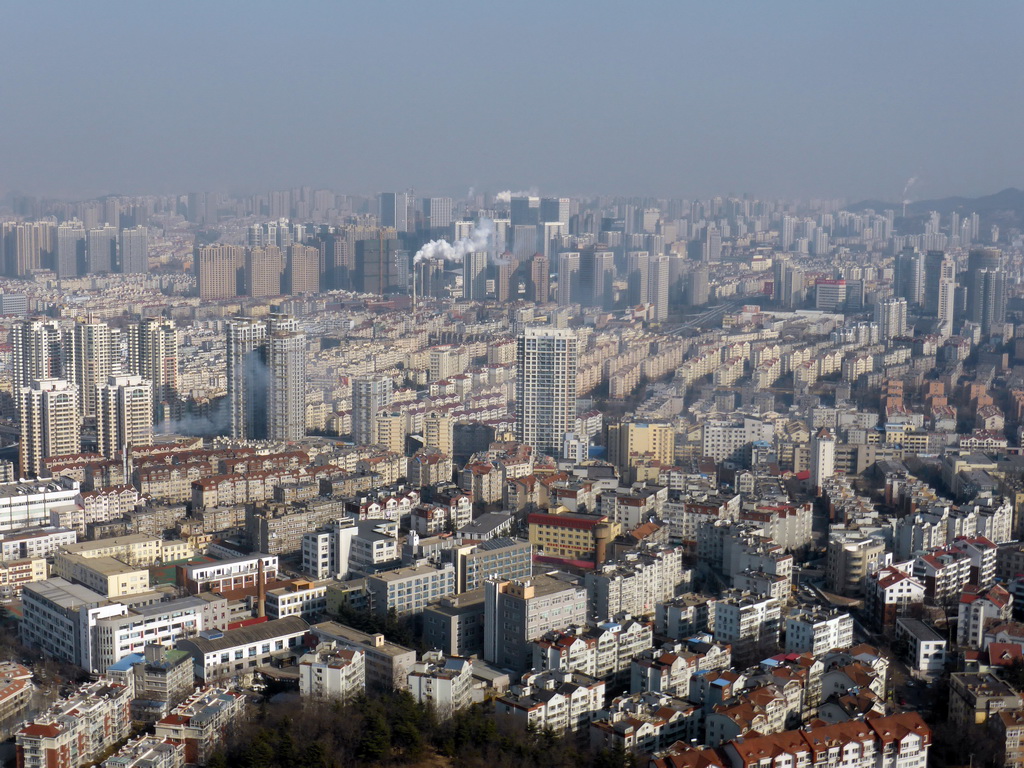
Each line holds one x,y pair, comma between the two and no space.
663,98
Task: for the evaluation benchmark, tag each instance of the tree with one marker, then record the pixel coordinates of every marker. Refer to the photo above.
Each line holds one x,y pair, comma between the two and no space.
313,756
375,743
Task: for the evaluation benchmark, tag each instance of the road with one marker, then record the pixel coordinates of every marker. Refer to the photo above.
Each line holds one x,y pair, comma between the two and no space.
711,315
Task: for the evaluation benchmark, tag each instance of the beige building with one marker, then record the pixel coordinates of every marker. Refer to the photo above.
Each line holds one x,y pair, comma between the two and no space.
216,268
50,423
568,535
14,574
438,431
389,430
124,414
134,549
632,441
303,270
263,269
105,575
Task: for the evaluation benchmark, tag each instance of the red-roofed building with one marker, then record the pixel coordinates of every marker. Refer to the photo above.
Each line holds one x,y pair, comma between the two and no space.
890,593
202,722
979,607
77,730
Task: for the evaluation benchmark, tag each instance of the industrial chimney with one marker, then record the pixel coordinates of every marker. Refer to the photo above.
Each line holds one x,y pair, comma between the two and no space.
261,589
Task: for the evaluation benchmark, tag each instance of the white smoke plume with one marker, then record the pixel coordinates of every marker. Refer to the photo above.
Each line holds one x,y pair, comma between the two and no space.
906,187
507,195
442,250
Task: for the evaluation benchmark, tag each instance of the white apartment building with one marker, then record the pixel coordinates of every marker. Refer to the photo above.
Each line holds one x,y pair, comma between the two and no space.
816,632
31,503
326,553
235,573
307,599
374,545
636,583
50,423
409,590
546,361
521,610
560,701
162,623
58,619
926,648
730,441
35,542
444,684
685,616
747,622
332,672
604,651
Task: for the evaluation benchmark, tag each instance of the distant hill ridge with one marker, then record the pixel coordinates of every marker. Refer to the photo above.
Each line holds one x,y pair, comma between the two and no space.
1005,208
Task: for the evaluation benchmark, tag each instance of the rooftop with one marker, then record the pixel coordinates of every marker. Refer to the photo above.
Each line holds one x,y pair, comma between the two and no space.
268,630
63,593
921,631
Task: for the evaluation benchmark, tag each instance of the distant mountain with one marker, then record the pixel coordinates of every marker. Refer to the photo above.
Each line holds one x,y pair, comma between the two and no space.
1005,208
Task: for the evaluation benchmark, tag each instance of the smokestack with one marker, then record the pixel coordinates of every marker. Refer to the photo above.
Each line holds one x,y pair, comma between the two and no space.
261,590
602,535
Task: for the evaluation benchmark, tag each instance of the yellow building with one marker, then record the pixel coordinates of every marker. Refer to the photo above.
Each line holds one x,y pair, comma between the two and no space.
105,575
570,535
14,574
631,442
134,549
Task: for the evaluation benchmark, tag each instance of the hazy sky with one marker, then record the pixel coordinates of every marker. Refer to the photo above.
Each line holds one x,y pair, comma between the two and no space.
675,98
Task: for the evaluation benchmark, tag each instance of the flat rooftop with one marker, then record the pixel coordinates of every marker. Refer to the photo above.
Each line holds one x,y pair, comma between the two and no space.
118,541
920,631
63,593
332,630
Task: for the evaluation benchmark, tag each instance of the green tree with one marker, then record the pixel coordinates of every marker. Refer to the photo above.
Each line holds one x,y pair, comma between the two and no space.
375,741
259,753
314,756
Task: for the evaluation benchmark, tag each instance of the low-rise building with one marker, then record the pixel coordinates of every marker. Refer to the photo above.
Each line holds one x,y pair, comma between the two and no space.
202,722
644,723
444,683
926,648
408,591
815,632
240,652
685,616
162,678
331,671
35,542
749,623
1008,729
105,575
77,730
978,608
891,593
15,574
134,549
233,573
560,701
307,599
387,664
148,752
16,691
974,698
